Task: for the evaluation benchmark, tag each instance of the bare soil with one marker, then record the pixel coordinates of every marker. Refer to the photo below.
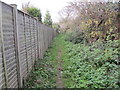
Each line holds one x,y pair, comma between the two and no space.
59,82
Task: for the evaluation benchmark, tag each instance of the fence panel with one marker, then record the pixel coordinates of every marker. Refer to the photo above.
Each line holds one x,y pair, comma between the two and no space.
9,45
40,39
28,41
22,44
2,79
43,38
32,40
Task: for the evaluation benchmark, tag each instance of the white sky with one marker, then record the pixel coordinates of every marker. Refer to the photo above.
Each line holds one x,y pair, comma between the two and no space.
54,6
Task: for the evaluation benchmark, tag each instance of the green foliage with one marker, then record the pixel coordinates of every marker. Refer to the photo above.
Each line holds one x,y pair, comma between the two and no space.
76,37
35,12
48,19
91,66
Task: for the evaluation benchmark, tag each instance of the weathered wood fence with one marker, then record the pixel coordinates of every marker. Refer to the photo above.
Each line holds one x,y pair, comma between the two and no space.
23,40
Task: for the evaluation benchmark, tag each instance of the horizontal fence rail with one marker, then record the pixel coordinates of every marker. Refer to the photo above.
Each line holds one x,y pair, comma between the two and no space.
23,40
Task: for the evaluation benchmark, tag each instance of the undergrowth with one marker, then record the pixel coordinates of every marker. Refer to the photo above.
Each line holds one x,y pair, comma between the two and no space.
44,73
84,66
91,66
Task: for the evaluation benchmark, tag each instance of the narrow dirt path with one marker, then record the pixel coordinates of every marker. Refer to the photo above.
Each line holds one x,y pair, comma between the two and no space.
59,82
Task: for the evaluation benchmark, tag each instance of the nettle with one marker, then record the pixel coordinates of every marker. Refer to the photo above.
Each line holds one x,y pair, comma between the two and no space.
94,65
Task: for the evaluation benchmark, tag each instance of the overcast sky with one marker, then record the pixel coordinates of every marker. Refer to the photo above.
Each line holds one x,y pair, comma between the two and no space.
54,6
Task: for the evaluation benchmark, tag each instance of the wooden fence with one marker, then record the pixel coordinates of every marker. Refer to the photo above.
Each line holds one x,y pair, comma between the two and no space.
23,40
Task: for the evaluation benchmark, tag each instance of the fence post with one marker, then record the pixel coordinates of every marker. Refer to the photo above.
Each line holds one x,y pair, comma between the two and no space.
2,47
16,34
38,45
30,21
41,41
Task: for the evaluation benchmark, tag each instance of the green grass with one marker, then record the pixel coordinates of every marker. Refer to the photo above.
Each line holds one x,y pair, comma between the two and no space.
44,73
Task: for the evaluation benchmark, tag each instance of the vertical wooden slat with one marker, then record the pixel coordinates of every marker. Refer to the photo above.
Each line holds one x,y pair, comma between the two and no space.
43,43
16,33
41,40
2,46
43,31
38,44
35,39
